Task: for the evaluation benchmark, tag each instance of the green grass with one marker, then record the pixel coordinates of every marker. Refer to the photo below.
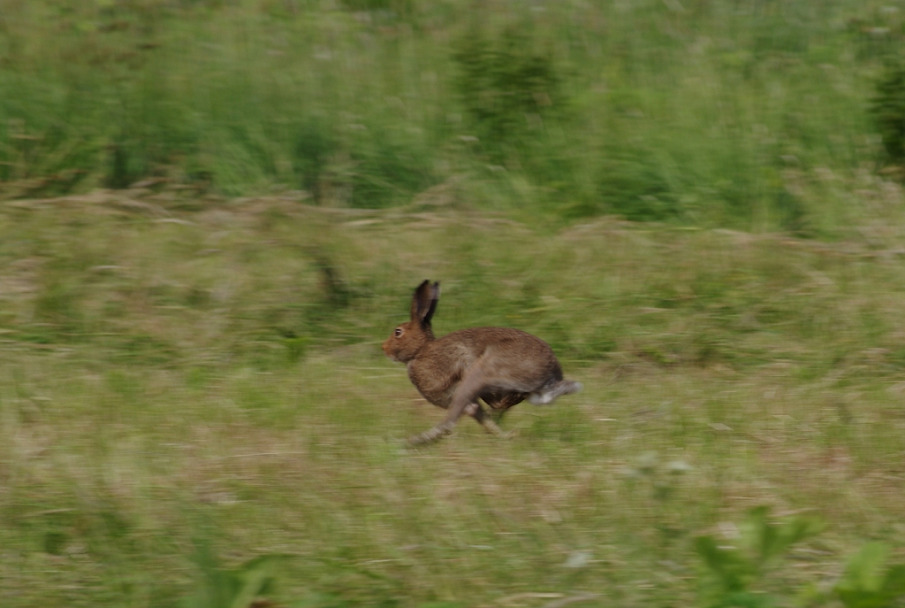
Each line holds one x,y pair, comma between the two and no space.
213,212
737,114
173,378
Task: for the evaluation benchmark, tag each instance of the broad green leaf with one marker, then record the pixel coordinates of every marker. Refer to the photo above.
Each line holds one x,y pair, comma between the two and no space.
868,583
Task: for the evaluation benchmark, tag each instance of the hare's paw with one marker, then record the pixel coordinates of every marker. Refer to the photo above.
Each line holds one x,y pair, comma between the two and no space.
434,434
493,428
551,394
509,434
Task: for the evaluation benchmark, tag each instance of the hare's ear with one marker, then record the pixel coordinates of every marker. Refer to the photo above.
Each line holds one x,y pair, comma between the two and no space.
424,302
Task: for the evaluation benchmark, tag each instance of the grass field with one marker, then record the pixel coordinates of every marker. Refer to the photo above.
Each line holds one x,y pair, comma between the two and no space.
209,378
213,212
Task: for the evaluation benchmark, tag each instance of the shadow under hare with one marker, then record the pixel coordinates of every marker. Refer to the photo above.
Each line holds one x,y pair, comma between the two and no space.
494,365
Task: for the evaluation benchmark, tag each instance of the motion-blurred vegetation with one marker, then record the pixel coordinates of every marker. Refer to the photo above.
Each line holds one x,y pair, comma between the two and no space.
213,211
735,114
179,367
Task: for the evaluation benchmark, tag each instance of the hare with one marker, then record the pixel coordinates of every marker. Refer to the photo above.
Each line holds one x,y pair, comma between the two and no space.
496,365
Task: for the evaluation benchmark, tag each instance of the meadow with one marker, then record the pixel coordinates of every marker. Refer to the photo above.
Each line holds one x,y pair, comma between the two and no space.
213,212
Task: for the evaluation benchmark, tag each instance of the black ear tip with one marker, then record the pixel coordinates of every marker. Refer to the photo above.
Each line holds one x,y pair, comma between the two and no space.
427,288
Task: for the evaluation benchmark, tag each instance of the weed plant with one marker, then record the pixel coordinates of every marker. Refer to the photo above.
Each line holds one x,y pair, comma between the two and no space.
889,110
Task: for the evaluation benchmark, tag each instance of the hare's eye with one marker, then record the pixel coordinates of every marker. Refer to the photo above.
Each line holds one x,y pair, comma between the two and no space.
398,332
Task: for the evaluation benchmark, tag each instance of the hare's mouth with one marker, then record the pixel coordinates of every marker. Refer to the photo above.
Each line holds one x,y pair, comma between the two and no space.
389,353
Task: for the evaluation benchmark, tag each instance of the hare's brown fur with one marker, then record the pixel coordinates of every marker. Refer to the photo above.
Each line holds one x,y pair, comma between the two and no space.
497,365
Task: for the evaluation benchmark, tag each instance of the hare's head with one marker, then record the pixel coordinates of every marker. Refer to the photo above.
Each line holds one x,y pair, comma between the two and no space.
410,337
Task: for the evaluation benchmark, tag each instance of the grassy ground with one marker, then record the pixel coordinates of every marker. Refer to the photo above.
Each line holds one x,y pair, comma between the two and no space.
175,380
213,212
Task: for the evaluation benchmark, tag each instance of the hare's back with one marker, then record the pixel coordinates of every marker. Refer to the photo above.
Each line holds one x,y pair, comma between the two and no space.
504,350
478,339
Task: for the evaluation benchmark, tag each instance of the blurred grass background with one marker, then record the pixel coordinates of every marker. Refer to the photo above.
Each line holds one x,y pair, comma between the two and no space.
212,212
750,114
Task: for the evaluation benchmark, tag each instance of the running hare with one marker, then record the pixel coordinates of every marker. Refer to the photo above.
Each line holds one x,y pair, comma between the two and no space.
497,365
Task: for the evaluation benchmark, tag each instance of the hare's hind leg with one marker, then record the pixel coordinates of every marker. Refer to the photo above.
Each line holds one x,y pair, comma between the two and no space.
484,419
549,394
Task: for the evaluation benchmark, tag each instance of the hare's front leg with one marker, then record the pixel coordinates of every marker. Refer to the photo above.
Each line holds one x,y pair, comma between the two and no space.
474,410
465,401
438,432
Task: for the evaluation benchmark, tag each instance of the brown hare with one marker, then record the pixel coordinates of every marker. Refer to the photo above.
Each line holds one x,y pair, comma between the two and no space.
496,365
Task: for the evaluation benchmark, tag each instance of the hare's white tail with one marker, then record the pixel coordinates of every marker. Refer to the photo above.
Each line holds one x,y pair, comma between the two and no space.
548,394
